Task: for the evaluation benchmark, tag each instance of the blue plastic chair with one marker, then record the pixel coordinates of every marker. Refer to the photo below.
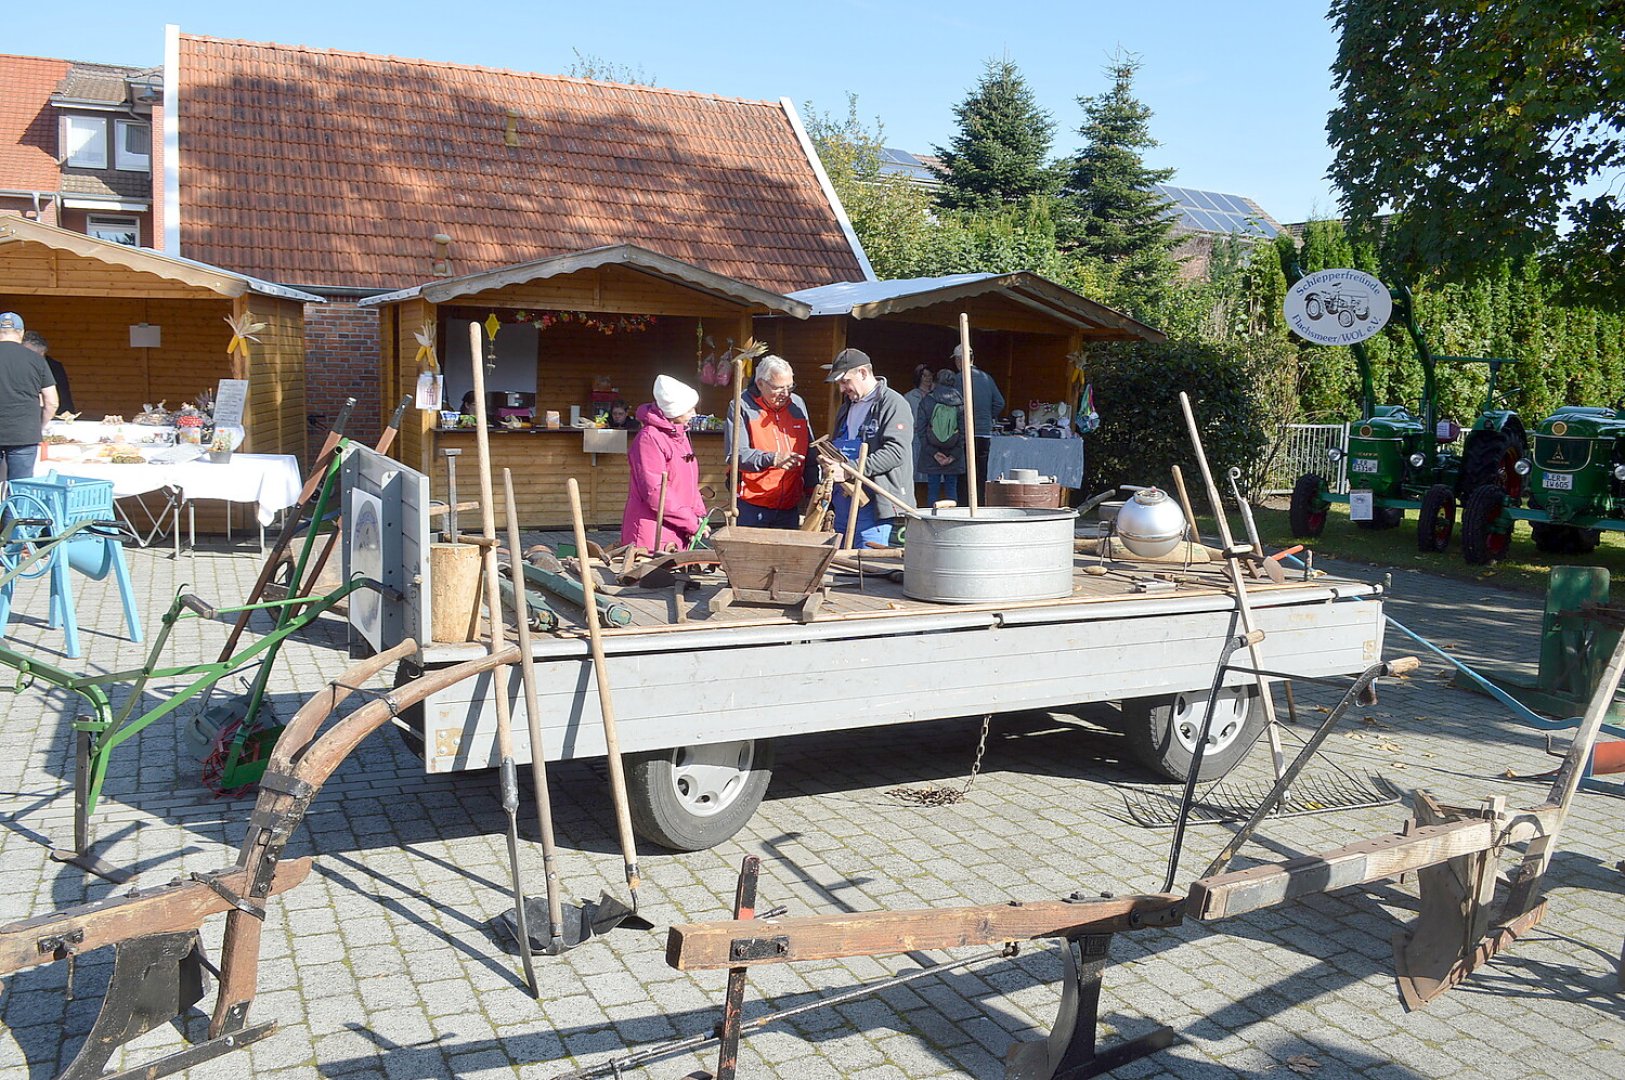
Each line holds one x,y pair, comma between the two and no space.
66,501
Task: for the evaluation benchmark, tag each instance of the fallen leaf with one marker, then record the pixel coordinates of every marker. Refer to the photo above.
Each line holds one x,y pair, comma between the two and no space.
1302,1063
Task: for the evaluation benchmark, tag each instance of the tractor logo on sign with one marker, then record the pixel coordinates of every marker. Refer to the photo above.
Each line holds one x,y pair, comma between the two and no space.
1337,307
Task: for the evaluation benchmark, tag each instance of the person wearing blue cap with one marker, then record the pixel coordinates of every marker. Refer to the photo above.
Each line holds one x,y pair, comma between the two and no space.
27,398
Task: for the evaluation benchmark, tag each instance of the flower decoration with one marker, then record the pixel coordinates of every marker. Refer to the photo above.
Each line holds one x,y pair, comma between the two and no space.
603,323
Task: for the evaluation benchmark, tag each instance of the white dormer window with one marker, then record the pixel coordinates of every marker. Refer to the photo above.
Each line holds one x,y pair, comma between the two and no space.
85,138
132,146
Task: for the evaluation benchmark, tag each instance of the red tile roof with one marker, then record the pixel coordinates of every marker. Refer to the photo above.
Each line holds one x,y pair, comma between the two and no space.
28,123
314,167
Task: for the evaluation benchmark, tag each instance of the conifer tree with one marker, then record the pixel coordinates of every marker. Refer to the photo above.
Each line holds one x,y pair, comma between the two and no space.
999,158
1112,211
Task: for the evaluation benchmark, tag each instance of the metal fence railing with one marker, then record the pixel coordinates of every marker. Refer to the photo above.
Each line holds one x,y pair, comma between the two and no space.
1302,449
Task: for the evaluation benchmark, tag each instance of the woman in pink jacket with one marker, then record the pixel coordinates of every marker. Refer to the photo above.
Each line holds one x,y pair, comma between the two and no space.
661,446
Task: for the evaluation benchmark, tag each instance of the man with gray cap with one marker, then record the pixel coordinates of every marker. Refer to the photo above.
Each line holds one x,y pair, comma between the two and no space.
875,415
27,398
986,404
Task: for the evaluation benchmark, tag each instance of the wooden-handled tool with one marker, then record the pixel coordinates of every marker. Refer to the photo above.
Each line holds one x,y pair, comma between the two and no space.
606,703
966,391
499,675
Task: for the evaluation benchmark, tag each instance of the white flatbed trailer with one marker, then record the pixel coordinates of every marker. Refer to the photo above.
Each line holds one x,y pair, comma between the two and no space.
698,702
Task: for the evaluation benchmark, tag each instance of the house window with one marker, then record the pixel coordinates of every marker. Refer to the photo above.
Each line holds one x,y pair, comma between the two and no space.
120,230
132,146
86,138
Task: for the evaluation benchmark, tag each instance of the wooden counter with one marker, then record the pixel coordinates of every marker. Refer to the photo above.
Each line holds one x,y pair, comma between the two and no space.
541,461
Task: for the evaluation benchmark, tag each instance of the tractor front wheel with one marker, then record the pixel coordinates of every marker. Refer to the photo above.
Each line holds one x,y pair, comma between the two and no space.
1307,512
1484,536
1437,520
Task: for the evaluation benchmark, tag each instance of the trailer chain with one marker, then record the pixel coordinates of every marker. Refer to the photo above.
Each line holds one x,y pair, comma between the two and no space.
937,794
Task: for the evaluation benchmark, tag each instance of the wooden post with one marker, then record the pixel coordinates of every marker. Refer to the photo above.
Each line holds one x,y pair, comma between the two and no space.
970,412
857,497
738,441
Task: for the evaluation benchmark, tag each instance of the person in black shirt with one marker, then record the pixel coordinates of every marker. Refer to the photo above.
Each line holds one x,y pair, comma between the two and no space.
64,396
27,398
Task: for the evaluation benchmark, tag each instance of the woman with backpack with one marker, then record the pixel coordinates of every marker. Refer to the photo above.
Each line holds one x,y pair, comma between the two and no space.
940,427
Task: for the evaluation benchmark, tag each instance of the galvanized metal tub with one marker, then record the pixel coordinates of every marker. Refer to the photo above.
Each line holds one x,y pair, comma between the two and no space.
1003,553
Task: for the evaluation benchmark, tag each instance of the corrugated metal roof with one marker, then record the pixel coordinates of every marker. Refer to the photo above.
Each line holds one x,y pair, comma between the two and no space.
841,297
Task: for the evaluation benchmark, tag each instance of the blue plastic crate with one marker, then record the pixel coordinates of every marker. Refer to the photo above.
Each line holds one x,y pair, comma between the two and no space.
71,499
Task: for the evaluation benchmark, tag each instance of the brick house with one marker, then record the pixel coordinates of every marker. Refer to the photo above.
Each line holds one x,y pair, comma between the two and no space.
76,146
384,173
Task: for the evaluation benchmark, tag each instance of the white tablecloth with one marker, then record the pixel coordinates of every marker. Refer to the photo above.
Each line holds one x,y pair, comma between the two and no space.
271,480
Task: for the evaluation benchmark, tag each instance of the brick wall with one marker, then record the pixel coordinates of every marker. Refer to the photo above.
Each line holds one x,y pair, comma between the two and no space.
342,360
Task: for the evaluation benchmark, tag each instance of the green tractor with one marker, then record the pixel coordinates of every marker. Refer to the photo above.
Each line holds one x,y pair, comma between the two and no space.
1398,460
1571,489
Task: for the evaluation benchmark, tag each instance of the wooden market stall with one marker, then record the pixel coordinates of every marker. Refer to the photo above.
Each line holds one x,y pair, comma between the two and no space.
572,330
133,327
1024,329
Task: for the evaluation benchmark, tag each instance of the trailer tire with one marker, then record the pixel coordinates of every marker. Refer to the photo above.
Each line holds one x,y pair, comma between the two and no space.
1307,511
690,798
1481,544
1437,521
1162,731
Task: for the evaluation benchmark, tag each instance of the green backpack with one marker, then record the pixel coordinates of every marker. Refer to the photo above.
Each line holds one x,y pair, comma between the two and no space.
944,424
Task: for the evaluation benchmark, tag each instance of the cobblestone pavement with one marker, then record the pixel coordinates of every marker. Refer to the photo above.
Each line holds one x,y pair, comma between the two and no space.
380,964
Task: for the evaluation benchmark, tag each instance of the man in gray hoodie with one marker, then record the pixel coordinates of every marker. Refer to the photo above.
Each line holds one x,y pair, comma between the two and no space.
875,415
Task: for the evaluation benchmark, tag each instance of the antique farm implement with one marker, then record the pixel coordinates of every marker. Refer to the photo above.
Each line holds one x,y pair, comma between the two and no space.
241,739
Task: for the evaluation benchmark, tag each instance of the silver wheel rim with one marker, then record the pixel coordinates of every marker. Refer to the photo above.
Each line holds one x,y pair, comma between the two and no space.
708,779
1229,718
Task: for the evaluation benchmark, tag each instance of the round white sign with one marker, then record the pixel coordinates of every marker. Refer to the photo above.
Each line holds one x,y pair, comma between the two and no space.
1337,307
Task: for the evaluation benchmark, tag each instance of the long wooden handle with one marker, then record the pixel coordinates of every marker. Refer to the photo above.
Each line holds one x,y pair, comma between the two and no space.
852,508
493,597
738,441
606,702
660,515
1185,503
968,394
533,722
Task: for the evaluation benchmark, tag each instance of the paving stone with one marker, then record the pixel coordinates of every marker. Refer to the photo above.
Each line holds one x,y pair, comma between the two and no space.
380,964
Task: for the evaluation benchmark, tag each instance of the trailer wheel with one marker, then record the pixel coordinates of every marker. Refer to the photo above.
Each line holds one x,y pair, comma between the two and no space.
1483,540
1307,512
694,797
1162,732
1437,521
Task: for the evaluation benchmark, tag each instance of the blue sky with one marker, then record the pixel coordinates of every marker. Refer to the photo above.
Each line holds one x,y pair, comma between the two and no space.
1239,92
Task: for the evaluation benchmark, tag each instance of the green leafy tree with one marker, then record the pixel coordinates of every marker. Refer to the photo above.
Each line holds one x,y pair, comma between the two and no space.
890,214
1000,155
1480,123
1113,213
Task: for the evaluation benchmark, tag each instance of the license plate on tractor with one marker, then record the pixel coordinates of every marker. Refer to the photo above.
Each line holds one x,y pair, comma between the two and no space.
1365,465
1558,481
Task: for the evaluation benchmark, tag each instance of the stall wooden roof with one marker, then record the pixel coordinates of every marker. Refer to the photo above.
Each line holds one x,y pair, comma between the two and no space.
320,167
748,298
877,299
43,260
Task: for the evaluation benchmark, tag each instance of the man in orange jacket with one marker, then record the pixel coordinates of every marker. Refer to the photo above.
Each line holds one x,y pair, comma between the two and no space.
775,470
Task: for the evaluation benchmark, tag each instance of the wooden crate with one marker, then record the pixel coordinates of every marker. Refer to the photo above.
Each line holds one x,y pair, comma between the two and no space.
772,566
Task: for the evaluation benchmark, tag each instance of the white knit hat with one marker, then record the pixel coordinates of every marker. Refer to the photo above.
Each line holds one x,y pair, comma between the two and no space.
673,397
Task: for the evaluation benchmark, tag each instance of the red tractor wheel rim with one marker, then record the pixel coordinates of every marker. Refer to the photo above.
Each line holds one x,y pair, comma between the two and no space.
1317,520
1443,526
1498,543
1510,479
